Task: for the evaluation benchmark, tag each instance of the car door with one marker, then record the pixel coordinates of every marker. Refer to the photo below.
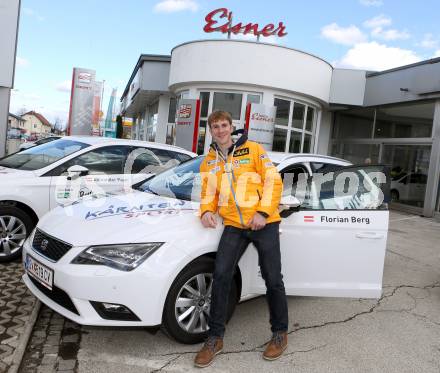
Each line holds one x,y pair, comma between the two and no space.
106,174
334,244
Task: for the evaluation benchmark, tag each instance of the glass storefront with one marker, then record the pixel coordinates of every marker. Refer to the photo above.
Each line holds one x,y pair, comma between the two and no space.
409,172
294,126
399,136
232,102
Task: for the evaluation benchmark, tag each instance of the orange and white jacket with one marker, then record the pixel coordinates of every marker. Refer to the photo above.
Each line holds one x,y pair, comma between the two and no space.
240,184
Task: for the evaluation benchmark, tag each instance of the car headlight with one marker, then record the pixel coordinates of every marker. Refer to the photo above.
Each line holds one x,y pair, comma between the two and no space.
124,257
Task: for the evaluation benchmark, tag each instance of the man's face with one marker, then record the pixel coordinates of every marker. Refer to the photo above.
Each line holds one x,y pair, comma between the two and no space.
221,132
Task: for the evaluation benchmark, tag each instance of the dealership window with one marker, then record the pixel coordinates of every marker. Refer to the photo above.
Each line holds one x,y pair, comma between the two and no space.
152,122
204,110
230,102
397,135
172,110
404,121
399,121
170,135
294,126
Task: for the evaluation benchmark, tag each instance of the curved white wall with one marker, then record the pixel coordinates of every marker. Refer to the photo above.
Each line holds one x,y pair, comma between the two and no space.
250,63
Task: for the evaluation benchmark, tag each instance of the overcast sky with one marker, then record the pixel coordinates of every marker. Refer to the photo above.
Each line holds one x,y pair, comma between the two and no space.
108,36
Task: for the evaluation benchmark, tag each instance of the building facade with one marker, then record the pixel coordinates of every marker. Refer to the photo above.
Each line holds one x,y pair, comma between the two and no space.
36,126
390,117
9,16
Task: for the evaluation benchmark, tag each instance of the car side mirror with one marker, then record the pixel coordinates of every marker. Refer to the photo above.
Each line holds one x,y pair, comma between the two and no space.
75,171
288,205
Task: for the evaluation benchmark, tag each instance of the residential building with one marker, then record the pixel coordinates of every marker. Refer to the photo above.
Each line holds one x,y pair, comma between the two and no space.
36,125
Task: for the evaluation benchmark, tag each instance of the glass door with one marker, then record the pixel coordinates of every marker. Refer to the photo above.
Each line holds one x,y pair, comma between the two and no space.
409,172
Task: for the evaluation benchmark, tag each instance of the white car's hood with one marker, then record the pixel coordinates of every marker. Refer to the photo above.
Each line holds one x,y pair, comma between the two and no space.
126,218
11,172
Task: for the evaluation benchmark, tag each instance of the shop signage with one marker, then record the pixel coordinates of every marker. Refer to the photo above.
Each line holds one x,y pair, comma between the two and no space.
81,102
260,124
221,20
187,124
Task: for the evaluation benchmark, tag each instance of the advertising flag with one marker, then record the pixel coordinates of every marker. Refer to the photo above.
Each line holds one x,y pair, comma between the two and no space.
81,102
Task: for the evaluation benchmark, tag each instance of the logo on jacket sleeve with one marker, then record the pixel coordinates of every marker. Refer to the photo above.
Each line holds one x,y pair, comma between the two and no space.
240,152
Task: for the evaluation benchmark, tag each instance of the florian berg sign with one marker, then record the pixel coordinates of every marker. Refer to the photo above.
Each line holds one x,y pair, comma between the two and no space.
221,20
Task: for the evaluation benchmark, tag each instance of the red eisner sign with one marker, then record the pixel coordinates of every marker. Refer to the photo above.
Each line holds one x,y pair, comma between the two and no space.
213,23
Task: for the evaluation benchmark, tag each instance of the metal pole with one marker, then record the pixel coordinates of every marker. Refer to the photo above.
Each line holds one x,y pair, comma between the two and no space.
432,184
100,108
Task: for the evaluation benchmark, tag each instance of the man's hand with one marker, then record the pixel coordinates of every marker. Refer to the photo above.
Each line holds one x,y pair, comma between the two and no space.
257,222
209,220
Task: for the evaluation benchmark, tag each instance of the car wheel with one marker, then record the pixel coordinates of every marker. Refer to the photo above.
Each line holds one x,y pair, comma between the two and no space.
185,316
15,226
394,194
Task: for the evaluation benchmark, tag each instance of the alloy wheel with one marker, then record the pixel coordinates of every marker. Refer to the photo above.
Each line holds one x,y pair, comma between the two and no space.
193,303
12,234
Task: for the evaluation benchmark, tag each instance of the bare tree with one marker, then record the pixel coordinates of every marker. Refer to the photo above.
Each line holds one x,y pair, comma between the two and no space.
57,126
21,111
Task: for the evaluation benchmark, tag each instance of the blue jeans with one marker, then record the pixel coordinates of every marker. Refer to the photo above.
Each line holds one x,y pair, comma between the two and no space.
233,244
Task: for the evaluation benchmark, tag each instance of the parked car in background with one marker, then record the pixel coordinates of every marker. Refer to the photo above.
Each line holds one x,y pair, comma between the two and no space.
30,144
144,259
36,180
409,187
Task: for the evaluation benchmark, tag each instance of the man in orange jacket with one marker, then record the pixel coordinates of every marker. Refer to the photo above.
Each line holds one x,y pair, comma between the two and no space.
241,184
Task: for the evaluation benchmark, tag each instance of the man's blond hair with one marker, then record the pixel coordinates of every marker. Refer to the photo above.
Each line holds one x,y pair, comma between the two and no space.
217,115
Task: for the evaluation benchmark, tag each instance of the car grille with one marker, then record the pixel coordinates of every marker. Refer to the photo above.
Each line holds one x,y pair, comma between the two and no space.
57,295
49,246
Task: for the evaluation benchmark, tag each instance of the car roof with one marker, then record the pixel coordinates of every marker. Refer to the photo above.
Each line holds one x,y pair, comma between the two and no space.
279,157
97,140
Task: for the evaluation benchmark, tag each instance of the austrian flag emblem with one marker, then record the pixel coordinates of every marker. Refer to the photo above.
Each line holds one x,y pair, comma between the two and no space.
309,219
185,111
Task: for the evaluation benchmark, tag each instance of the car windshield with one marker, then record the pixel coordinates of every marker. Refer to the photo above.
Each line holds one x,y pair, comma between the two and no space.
181,182
43,155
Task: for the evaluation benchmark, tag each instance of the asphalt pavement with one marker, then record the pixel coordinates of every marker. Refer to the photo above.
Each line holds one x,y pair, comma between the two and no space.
400,332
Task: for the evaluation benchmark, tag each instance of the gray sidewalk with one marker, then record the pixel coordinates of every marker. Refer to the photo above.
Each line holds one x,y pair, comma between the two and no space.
18,311
398,333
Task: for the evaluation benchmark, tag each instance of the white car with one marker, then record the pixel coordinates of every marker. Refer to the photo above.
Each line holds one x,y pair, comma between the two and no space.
36,180
144,259
409,187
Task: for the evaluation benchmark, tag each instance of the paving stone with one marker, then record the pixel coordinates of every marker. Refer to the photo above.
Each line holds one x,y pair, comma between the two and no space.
66,364
54,345
49,359
16,305
70,338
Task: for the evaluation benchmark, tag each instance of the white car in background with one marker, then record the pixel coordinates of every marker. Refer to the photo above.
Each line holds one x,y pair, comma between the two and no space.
144,259
36,180
409,187
31,144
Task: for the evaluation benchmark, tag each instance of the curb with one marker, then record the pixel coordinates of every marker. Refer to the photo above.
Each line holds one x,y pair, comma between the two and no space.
19,351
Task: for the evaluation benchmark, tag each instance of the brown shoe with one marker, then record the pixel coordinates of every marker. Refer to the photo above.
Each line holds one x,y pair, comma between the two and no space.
212,347
276,346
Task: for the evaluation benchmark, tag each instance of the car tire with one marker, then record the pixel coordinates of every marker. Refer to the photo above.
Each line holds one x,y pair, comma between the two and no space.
394,195
15,227
188,276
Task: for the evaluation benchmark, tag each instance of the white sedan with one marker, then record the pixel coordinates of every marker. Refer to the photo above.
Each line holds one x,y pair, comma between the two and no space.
144,259
38,179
